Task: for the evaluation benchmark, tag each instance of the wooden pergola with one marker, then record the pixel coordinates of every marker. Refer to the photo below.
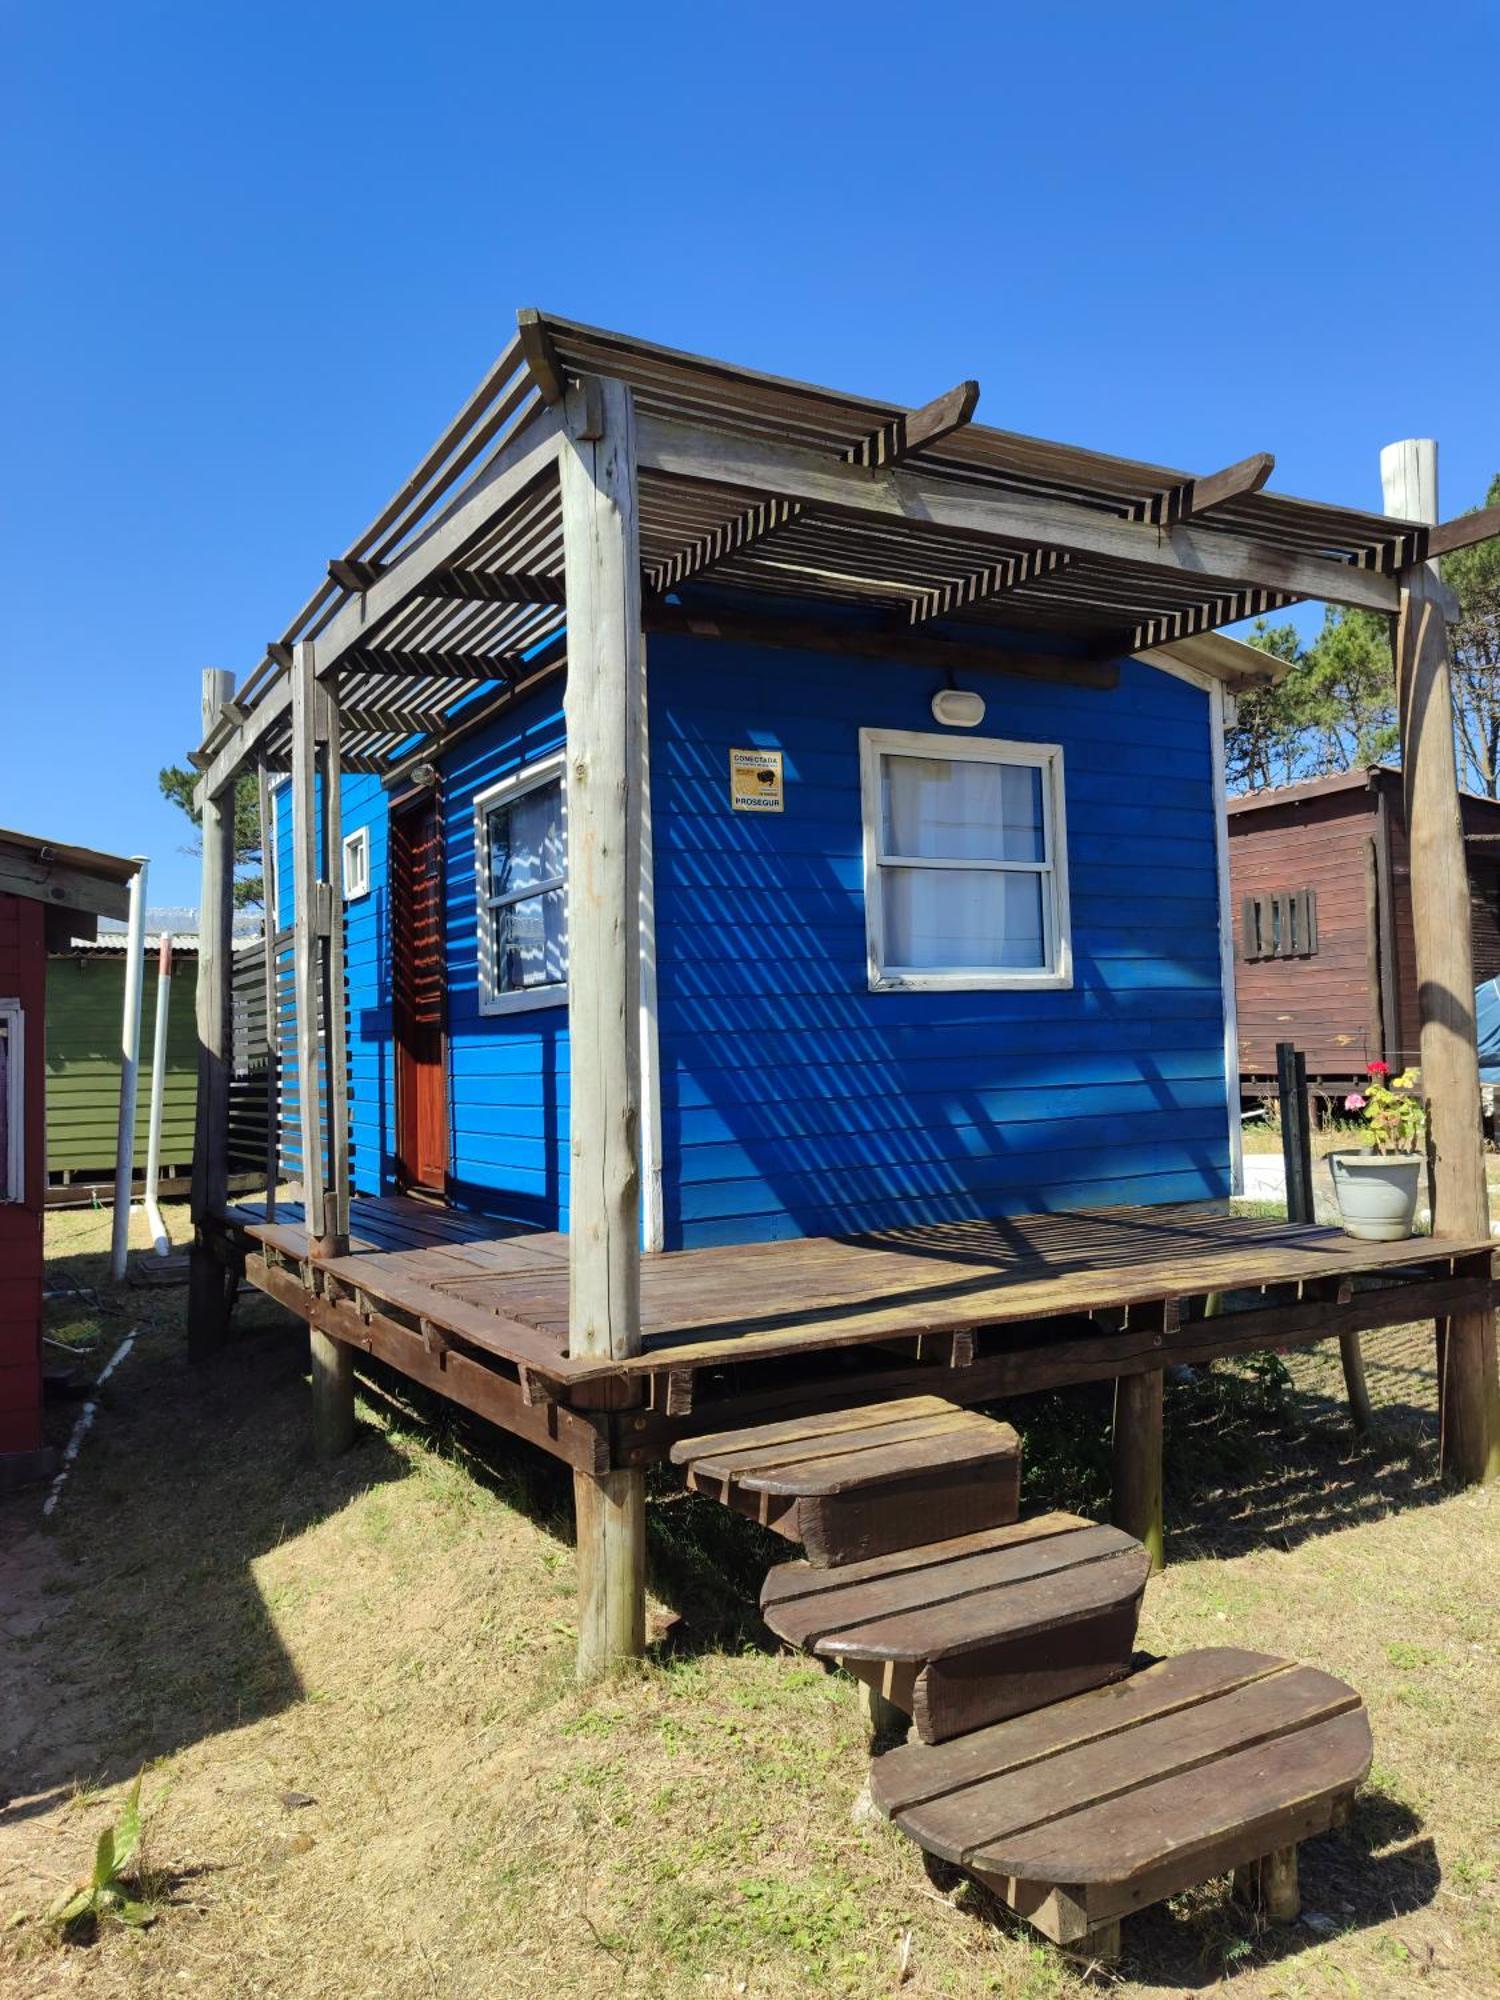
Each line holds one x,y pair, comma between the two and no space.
597,488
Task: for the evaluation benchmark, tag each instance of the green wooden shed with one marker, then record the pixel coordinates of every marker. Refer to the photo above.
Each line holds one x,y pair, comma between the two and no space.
85,996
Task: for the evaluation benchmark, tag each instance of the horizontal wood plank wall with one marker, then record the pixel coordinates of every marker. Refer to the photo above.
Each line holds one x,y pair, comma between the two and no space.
507,1073
1322,1002
23,977
85,995
795,1101
1482,819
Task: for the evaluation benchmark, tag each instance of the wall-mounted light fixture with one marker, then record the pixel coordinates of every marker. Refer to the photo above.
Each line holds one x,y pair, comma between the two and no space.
423,775
958,708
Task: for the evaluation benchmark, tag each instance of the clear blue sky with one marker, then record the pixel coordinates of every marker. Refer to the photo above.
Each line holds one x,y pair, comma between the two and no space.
257,257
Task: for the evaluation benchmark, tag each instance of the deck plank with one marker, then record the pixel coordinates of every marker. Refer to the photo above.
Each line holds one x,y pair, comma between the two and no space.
508,1290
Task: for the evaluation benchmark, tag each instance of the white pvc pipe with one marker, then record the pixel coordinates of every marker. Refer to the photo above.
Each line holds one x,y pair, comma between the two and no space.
161,1242
130,1063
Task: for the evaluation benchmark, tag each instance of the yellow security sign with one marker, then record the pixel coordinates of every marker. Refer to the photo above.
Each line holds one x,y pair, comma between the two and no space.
755,781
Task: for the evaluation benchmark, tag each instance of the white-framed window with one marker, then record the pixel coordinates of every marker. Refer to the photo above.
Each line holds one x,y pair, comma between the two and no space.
356,863
966,873
12,1101
520,841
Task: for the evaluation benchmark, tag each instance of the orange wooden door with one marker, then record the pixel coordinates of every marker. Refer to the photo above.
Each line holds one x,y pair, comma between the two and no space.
417,998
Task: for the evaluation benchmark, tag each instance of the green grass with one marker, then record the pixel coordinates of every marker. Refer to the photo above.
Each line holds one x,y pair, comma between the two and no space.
392,1637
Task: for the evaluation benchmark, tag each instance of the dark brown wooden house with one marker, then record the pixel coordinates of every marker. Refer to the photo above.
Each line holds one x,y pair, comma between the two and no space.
1325,952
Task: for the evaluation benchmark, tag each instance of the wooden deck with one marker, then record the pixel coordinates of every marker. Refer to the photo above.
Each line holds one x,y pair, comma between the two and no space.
969,1310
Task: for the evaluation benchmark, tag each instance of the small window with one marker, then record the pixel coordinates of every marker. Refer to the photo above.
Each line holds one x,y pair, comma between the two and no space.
1284,926
356,863
521,853
965,862
12,1103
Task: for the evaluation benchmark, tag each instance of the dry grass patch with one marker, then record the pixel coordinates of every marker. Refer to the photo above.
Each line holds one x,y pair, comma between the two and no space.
350,1686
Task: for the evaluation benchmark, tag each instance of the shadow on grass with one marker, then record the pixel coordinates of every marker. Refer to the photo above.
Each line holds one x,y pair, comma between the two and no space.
705,1563
143,1628
1379,1867
1249,1459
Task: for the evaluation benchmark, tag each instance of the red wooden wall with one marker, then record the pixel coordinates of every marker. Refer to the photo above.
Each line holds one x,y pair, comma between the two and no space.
23,976
1324,1003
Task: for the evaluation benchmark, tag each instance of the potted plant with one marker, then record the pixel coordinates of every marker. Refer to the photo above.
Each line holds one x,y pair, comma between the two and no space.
1377,1187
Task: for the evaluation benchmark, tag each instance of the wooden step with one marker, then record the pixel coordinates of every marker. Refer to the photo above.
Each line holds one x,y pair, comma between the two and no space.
1077,1814
858,1483
966,1632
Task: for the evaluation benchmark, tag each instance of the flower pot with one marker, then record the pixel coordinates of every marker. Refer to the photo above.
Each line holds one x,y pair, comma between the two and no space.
1377,1193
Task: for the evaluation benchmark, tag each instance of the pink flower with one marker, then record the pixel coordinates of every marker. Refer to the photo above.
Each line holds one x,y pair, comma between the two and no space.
1354,1102
1379,1068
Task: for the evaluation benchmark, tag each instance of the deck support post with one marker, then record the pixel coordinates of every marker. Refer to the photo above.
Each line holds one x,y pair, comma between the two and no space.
1270,1885
602,707
267,822
1445,965
318,973
1137,1503
212,1282
332,1393
886,1724
1296,1153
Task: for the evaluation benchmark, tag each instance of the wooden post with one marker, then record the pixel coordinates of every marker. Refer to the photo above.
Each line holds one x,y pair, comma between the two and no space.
885,1724
318,980
309,918
1137,1504
268,988
1445,964
1296,1131
335,1000
1296,1153
212,1281
601,555
1270,1885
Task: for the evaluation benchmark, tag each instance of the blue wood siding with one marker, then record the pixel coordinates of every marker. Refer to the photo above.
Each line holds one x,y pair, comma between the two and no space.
797,1102
507,1073
507,1076
367,973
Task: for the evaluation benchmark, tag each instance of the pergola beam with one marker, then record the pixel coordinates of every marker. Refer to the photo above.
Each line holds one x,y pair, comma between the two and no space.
392,719
541,356
878,642
1010,573
418,663
1192,619
1196,497
1482,525
910,432
1206,555
522,460
460,585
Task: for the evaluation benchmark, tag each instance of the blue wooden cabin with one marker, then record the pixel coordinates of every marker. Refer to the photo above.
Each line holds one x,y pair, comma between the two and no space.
750,891
817,1069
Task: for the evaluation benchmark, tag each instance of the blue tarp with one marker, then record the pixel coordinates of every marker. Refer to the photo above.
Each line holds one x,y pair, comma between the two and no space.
1487,1021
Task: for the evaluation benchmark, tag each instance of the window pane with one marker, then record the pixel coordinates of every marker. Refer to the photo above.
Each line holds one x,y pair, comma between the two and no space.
954,809
526,840
531,943
944,917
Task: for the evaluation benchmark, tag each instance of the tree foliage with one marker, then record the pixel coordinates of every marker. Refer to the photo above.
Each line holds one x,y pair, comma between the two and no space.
1474,575
177,782
1335,708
